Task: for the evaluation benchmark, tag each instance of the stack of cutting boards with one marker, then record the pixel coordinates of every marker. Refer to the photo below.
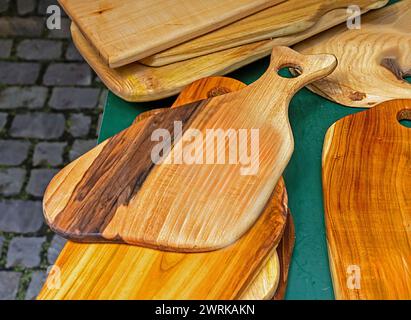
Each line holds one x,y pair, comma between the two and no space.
147,50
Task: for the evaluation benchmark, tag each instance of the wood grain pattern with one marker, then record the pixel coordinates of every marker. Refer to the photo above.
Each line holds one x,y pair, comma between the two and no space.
289,17
128,30
372,61
115,192
136,82
367,183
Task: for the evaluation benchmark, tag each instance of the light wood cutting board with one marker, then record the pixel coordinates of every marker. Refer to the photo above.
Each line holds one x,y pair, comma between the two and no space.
372,61
136,82
292,16
115,193
128,30
367,183
263,285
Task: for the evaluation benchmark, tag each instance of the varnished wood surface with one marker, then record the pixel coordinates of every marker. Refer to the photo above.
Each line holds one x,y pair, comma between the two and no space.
136,82
372,61
114,193
367,183
126,31
287,18
76,266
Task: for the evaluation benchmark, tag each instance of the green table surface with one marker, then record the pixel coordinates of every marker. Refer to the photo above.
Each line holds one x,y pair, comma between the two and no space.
310,116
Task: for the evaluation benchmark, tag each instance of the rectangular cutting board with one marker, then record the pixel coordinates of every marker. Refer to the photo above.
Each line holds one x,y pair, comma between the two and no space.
367,199
128,30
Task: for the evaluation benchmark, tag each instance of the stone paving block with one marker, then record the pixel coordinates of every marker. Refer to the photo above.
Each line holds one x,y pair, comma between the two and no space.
13,152
37,281
67,74
39,49
25,252
11,181
80,147
23,97
49,153
72,53
26,6
9,284
3,120
74,98
39,180
29,27
56,246
21,216
4,5
5,48
38,125
79,125
62,33
18,73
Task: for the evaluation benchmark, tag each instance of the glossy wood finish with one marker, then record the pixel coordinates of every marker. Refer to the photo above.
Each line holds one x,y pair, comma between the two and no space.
372,61
114,193
287,18
136,82
128,30
367,183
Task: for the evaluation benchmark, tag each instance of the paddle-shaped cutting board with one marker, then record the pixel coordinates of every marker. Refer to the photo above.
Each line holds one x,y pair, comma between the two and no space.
372,60
284,19
262,287
136,82
121,191
367,183
128,30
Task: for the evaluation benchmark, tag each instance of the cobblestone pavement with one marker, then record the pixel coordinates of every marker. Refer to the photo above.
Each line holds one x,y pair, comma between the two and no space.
50,106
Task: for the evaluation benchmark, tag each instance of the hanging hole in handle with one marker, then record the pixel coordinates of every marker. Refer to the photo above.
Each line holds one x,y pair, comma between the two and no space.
404,118
289,71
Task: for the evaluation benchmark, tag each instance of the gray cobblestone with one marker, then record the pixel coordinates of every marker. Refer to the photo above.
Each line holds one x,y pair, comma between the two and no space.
80,147
4,5
39,180
24,252
9,284
21,27
23,97
74,98
49,153
26,6
56,246
3,120
38,125
39,49
67,74
63,32
21,216
36,283
22,73
11,181
5,48
13,152
72,53
79,125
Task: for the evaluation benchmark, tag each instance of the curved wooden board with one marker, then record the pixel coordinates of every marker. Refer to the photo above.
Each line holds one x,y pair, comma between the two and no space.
287,18
372,61
136,82
367,183
116,193
127,31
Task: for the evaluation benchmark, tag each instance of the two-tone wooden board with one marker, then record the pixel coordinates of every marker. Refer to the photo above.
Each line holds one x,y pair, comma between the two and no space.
287,18
127,31
367,183
137,82
372,60
130,190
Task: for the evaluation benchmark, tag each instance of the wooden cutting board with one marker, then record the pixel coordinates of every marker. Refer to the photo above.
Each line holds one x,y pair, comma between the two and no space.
136,82
367,183
287,18
115,193
262,287
372,61
128,30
